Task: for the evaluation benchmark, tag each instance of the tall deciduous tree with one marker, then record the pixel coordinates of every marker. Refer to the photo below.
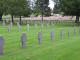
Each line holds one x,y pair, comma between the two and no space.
41,6
70,7
3,8
18,8
56,9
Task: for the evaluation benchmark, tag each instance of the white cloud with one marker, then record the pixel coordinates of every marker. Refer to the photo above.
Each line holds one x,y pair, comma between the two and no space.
51,4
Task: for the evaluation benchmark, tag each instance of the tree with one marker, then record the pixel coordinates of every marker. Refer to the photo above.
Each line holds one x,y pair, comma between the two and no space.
41,6
37,8
46,10
18,8
56,8
3,8
70,7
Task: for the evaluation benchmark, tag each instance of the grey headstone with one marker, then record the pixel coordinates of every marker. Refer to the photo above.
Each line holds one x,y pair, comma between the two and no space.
40,38
28,27
9,29
61,33
1,45
52,36
41,26
35,25
3,23
47,24
79,31
18,24
19,27
23,40
11,24
74,32
68,34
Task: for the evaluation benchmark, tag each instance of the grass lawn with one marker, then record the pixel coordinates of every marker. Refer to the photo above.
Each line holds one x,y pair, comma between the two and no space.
59,49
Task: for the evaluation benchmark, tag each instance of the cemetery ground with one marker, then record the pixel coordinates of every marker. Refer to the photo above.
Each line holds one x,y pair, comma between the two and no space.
65,48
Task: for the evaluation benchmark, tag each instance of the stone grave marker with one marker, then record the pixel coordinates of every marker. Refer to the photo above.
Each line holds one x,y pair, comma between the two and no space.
23,40
11,24
47,23
41,26
40,38
68,34
1,45
79,31
9,29
3,23
74,32
61,34
18,24
19,27
52,35
35,25
28,27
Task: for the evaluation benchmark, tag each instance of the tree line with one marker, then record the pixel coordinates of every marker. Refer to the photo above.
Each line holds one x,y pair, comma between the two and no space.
37,7
23,8
68,7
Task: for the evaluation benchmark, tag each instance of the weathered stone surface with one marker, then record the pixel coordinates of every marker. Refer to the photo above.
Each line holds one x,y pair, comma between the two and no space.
23,40
52,36
62,34
68,34
28,27
1,45
11,24
19,27
3,23
9,29
74,32
40,38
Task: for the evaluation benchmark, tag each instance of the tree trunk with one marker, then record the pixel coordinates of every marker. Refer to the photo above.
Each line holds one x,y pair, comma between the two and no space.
12,19
77,19
20,20
0,17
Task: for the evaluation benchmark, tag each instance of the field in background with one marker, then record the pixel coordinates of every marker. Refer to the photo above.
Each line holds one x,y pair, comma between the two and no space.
59,49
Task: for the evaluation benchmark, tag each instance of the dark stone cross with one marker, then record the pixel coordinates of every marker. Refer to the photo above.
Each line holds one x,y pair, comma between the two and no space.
52,36
1,45
40,38
23,40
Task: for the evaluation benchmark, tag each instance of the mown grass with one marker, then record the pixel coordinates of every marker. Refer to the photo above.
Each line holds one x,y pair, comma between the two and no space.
59,49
